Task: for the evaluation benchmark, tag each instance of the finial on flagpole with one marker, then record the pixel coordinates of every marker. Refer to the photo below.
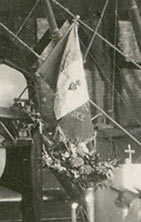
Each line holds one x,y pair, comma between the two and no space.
76,18
130,152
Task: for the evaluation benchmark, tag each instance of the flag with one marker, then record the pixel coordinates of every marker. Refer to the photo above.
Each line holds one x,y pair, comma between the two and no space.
63,70
48,70
71,105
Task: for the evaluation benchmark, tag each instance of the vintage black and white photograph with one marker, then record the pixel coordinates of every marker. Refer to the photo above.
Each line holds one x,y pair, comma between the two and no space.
70,111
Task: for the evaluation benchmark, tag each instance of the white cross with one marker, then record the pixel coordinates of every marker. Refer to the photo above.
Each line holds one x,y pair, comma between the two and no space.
130,152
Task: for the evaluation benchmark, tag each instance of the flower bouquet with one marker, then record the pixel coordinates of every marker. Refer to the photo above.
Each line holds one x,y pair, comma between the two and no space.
78,167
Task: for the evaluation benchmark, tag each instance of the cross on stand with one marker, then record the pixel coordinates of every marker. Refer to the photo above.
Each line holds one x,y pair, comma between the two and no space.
130,152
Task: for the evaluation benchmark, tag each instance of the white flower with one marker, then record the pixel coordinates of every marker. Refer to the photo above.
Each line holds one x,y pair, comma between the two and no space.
76,162
86,169
66,154
57,165
73,149
47,160
82,148
62,169
76,174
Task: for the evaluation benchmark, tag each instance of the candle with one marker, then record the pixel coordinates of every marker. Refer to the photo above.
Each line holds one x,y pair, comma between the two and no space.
90,204
73,212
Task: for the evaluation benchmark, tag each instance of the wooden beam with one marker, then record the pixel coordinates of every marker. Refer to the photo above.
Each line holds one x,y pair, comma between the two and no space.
32,197
136,20
39,48
36,177
54,31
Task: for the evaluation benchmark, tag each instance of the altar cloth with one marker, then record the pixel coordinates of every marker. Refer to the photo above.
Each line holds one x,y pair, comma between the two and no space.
127,176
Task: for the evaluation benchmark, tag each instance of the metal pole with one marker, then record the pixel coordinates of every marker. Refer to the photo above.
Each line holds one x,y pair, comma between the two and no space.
95,31
136,20
54,31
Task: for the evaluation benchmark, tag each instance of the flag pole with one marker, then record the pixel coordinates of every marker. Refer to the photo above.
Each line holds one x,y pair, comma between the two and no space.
117,124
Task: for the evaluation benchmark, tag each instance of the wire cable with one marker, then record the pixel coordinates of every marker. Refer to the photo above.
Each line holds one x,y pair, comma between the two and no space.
28,16
21,41
95,31
115,123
